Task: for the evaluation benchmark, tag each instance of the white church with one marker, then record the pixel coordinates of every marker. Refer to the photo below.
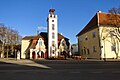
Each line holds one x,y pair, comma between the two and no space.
48,44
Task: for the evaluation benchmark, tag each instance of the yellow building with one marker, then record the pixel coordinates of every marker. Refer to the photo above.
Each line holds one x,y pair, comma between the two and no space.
100,38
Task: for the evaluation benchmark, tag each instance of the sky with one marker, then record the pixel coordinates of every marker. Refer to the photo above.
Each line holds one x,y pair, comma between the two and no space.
28,16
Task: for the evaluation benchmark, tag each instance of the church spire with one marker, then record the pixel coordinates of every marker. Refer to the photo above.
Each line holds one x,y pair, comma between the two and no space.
52,10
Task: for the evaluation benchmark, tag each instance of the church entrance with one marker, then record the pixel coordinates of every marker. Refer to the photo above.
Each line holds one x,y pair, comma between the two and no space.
41,54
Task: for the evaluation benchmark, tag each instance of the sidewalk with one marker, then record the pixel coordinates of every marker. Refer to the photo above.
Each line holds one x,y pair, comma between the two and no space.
109,60
28,61
24,62
13,60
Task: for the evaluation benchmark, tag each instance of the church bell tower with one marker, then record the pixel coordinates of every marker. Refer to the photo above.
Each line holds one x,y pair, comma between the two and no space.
52,34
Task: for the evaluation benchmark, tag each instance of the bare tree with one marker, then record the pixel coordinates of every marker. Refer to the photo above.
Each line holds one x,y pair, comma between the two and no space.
111,33
115,10
9,37
114,19
3,39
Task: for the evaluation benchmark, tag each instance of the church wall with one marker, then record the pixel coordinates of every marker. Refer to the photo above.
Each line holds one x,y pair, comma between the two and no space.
25,44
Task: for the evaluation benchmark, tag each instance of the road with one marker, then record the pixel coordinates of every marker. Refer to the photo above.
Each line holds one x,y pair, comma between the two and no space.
61,70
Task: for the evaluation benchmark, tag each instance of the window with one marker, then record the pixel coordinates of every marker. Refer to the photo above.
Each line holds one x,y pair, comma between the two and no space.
53,27
53,52
113,48
80,39
63,43
84,50
88,51
94,34
94,49
52,20
86,38
53,43
40,43
111,34
53,35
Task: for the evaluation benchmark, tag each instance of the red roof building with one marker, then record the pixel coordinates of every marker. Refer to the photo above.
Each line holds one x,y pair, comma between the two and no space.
32,41
100,38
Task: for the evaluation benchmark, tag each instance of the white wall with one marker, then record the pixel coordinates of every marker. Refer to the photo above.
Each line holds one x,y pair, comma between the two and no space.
107,42
50,31
25,44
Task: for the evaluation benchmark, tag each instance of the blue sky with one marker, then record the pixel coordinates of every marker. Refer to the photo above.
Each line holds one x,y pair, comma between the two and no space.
26,16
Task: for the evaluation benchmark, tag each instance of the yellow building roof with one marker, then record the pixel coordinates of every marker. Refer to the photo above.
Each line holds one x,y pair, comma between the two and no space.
104,19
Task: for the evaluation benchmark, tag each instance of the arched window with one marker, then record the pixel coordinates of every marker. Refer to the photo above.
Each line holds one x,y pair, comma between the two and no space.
53,43
40,42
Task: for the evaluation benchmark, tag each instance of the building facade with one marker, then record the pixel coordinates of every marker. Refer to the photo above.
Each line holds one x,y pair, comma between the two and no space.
74,49
46,45
100,38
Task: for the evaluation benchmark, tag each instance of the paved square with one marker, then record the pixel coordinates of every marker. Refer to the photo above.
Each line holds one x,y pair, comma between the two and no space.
59,70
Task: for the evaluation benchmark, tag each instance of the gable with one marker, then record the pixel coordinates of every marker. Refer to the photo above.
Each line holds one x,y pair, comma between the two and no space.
91,25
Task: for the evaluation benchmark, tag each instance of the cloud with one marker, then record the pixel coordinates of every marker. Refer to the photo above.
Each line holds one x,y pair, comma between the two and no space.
42,28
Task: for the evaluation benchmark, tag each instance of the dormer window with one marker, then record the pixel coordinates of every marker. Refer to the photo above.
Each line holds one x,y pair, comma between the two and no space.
40,42
63,43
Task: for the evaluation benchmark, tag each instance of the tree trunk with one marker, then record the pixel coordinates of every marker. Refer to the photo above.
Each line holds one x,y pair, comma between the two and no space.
2,54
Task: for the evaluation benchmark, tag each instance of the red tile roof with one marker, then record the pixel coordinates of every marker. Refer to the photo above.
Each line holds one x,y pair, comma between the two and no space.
101,19
28,37
44,36
35,40
109,19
